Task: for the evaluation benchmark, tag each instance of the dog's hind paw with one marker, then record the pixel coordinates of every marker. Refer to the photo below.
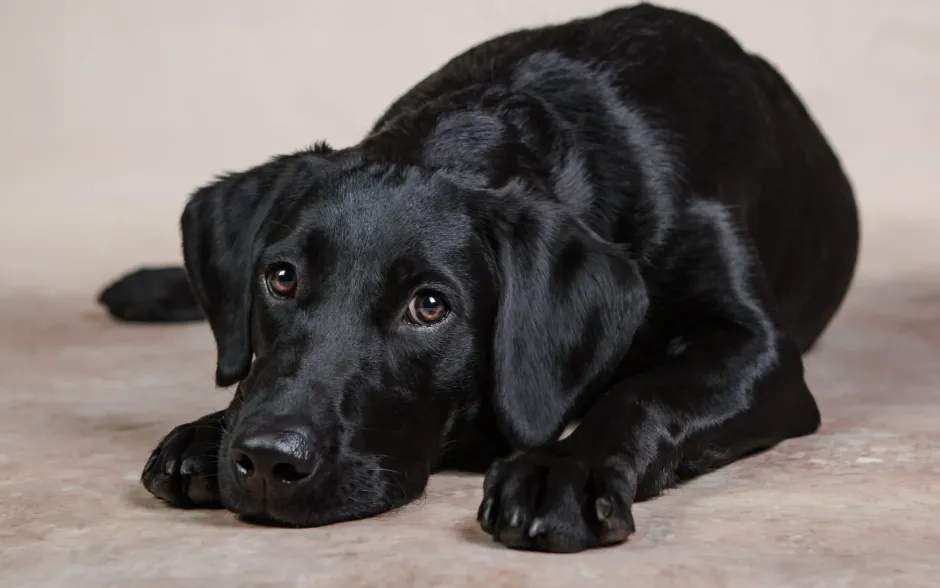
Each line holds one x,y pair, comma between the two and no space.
152,295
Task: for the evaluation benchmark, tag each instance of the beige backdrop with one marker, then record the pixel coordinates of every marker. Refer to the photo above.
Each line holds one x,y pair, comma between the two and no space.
111,111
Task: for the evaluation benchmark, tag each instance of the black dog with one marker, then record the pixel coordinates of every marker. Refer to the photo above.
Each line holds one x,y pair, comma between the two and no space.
625,221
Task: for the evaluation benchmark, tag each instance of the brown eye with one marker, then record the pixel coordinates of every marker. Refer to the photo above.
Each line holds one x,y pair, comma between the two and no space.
282,280
426,309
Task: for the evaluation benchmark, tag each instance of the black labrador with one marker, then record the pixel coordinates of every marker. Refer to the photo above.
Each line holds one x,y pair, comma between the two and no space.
625,221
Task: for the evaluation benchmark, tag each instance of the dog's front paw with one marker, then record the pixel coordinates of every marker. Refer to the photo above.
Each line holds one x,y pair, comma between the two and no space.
553,501
183,469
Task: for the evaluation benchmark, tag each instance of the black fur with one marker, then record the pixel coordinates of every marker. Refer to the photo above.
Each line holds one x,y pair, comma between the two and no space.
635,225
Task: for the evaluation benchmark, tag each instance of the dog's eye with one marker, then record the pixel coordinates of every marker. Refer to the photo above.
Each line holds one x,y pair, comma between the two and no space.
427,308
282,280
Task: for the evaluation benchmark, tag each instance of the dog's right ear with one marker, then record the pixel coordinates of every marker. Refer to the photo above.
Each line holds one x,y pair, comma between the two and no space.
224,227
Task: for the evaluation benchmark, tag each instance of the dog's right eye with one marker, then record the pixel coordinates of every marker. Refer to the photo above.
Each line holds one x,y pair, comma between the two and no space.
426,309
281,279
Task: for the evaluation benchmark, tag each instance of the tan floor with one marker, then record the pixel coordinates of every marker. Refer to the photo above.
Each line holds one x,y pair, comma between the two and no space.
107,119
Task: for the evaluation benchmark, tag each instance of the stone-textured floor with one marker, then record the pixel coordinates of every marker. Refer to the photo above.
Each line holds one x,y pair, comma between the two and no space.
82,401
110,118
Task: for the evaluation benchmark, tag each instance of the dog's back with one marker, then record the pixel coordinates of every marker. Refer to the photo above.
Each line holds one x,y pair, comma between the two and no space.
806,225
734,125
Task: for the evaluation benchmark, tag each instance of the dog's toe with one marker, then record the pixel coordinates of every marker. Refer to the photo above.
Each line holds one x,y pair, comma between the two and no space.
548,502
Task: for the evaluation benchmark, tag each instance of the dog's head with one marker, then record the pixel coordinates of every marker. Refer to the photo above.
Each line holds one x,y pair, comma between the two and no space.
372,313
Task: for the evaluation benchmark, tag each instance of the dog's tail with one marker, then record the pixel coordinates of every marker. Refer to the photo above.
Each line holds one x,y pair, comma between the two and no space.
152,295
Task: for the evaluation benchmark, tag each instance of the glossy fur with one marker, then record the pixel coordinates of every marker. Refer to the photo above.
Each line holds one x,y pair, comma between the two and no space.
636,224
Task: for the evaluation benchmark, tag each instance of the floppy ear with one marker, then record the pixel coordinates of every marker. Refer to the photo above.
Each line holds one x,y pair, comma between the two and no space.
224,227
569,305
219,226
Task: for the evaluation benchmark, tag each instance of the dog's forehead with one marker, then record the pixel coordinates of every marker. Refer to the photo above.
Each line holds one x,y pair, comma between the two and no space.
378,214
370,205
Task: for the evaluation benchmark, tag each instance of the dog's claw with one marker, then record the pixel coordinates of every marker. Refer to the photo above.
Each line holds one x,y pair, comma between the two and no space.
512,532
150,462
537,528
485,515
603,508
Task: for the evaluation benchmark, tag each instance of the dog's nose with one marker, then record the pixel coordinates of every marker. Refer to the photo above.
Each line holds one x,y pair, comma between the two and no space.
278,457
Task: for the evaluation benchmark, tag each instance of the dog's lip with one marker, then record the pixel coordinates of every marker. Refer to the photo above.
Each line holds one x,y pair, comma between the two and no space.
264,518
264,507
271,513
261,510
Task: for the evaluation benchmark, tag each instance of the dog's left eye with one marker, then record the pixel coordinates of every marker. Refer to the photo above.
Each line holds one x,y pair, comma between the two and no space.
282,280
426,309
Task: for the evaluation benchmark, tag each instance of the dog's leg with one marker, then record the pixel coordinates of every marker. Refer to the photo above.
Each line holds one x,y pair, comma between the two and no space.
183,469
710,405
733,384
152,295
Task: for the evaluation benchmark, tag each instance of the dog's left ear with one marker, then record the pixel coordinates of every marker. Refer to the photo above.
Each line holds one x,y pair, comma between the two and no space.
569,305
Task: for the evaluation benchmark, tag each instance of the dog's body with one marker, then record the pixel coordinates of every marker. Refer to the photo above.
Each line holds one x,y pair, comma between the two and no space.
625,220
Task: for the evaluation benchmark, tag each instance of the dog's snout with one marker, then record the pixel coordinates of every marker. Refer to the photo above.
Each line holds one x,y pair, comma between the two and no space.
276,457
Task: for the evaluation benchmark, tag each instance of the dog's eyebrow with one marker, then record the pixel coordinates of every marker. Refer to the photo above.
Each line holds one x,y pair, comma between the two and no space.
318,249
413,268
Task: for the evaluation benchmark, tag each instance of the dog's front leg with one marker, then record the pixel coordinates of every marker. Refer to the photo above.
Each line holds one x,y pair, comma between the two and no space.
729,392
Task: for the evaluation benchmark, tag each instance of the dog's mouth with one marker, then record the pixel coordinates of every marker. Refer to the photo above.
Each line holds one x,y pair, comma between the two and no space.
291,517
338,493
263,519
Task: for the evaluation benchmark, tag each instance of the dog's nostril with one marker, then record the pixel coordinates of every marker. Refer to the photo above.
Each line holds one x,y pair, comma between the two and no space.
244,465
278,457
287,473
